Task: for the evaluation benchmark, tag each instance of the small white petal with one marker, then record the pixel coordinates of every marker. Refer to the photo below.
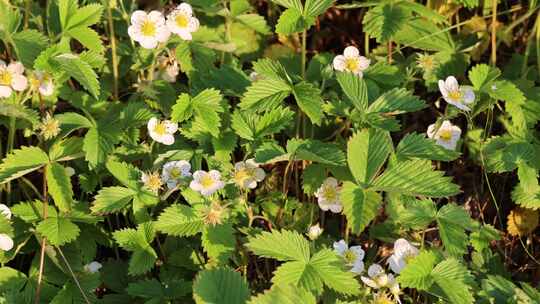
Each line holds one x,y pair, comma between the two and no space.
6,243
19,82
148,42
138,17
351,52
15,68
375,270
185,8
340,247
5,91
339,63
369,282
451,84
5,211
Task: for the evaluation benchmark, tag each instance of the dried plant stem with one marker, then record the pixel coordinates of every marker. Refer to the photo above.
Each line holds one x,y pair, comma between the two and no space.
494,32
73,275
113,51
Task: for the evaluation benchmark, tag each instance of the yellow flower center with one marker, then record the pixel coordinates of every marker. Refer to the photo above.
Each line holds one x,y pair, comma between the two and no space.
160,129
408,257
383,298
207,181
455,95
330,194
153,182
182,20
5,78
175,172
148,28
349,256
214,214
242,175
49,127
445,134
351,64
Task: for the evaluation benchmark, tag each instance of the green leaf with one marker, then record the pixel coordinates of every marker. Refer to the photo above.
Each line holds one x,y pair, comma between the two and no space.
284,294
127,174
308,98
396,101
452,222
270,69
80,71
58,230
421,33
21,162
415,145
454,280
254,21
316,151
219,242
85,16
331,270
97,145
292,21
182,110
66,149
417,273
28,45
314,8
66,9
367,152
355,89
297,4
416,177
112,199
273,121
265,94
19,111
298,273
383,21
418,214
312,178
481,238
179,220
482,75
527,191
220,286
138,240
359,206
87,37
283,246
59,186
207,108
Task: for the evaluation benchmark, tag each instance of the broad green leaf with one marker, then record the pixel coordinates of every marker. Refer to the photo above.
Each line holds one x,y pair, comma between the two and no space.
502,154
300,274
359,206
308,98
482,75
396,101
283,294
454,280
314,8
265,94
316,151
58,230
28,45
273,121
482,237
87,37
59,186
85,16
219,242
367,152
418,214
220,286
138,240
415,145
292,21
355,89
179,220
312,178
270,69
97,145
112,199
417,273
21,162
254,21
416,177
283,246
183,109
66,149
527,192
127,174
452,222
80,71
421,33
71,121
383,21
207,108
333,273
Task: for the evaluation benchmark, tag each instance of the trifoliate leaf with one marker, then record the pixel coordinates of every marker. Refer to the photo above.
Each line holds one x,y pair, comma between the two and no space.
452,222
359,206
417,273
58,230
292,21
220,286
179,220
355,89
207,106
527,192
87,37
80,71
270,69
481,238
22,161
127,174
416,177
367,152
265,94
418,214
283,246
138,240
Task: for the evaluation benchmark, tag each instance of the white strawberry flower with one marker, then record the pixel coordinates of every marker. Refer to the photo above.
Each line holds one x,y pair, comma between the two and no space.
403,253
42,82
92,267
454,94
328,196
5,211
377,277
247,174
447,135
206,183
148,29
353,256
11,78
182,22
152,181
6,243
174,172
162,131
351,61
314,232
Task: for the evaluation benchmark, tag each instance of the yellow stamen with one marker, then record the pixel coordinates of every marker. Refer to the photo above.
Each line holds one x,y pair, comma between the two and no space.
455,95
330,194
148,28
153,182
182,20
5,78
445,134
160,129
349,256
351,64
207,181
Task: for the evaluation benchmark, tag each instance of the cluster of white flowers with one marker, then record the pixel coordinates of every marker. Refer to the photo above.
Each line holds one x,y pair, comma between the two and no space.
150,29
328,196
6,242
12,79
351,62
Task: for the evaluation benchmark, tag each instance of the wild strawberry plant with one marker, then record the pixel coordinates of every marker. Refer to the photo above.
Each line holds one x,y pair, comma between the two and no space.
280,151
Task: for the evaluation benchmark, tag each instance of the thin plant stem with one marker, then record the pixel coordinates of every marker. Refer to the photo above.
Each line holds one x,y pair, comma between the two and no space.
113,50
43,240
73,275
494,32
